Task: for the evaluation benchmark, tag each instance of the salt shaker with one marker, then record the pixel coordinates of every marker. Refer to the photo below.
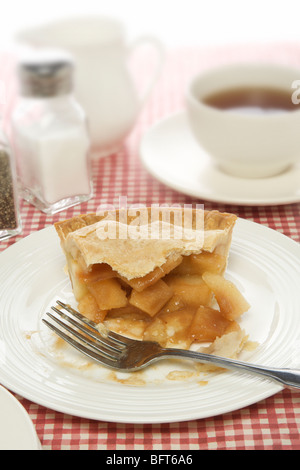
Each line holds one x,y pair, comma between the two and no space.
10,221
50,135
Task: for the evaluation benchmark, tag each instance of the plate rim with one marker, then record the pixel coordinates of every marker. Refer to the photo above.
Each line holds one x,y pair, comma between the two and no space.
22,415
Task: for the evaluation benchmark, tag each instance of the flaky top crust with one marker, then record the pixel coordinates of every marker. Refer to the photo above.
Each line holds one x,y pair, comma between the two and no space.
136,257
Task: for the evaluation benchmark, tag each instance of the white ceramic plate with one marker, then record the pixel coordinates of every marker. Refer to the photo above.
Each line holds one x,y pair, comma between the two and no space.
16,428
263,263
170,153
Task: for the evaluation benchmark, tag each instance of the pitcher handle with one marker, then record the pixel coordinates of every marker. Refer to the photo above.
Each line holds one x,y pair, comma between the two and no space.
156,44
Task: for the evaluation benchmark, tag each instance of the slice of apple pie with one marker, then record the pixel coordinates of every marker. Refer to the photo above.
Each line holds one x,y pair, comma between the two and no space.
165,286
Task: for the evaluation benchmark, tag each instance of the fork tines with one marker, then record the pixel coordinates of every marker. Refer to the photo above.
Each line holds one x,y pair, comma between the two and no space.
104,346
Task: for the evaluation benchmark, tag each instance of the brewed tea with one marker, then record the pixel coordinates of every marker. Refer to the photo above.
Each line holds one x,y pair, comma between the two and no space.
251,100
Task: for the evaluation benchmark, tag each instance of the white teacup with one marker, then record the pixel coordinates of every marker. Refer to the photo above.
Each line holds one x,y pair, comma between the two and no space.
103,84
246,144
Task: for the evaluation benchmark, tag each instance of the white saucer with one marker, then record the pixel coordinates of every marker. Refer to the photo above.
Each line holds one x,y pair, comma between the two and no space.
16,428
172,155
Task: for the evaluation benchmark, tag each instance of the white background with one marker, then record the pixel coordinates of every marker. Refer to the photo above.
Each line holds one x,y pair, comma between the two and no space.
175,22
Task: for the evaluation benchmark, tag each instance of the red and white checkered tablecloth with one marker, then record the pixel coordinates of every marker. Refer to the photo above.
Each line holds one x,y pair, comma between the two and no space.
273,423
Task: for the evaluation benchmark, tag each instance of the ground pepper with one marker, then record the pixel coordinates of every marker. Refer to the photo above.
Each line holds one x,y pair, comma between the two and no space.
8,219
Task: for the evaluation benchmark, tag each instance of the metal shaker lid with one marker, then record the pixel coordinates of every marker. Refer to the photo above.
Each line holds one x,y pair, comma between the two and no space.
45,73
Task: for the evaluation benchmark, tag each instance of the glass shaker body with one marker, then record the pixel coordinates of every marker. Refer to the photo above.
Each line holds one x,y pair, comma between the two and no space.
52,152
50,135
10,220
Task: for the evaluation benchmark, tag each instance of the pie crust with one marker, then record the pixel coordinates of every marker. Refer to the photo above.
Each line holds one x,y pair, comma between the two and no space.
170,289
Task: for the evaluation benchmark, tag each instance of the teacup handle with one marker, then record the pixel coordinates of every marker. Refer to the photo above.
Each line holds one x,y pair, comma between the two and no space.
156,44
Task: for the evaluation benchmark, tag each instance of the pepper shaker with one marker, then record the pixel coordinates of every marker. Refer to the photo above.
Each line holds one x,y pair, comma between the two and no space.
10,221
50,135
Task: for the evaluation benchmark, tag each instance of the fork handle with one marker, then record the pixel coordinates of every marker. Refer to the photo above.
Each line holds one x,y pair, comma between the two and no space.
287,377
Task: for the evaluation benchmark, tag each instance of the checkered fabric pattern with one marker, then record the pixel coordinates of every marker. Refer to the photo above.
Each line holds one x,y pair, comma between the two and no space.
273,423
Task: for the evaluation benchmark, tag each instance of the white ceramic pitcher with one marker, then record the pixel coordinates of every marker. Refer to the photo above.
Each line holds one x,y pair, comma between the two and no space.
103,83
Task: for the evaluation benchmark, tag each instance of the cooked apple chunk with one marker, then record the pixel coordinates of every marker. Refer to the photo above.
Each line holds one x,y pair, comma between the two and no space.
89,308
151,299
97,272
175,303
156,331
191,289
140,283
230,300
128,321
211,262
208,324
170,329
202,262
177,327
108,293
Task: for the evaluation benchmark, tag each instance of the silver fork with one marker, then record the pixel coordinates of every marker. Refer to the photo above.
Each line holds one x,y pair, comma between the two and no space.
125,354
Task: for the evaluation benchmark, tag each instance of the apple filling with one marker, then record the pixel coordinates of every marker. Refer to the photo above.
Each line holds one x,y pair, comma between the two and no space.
185,300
